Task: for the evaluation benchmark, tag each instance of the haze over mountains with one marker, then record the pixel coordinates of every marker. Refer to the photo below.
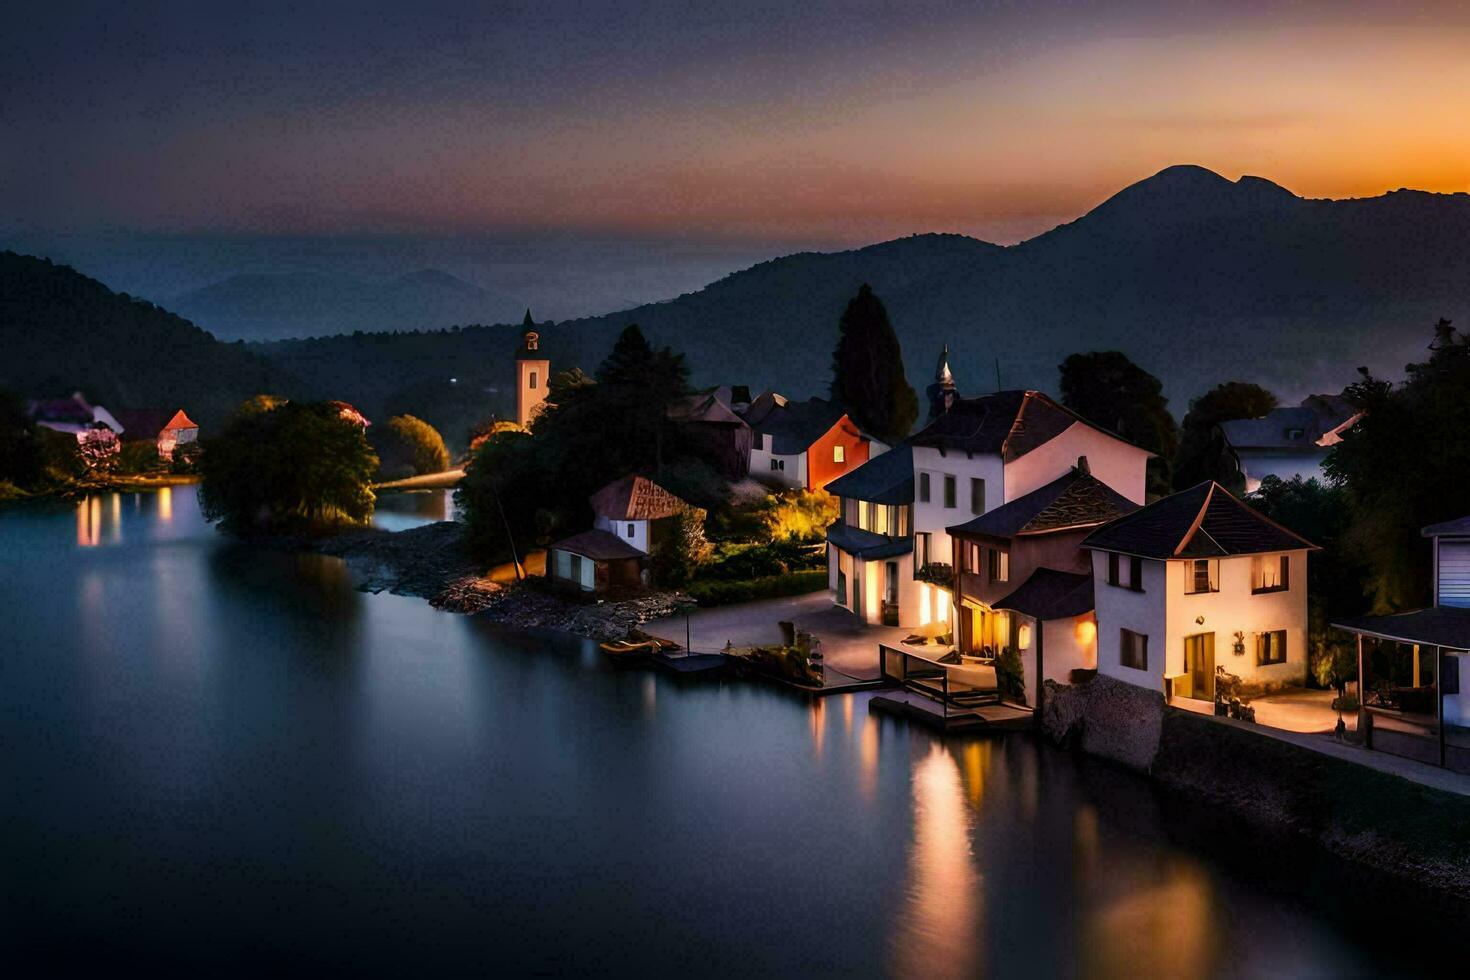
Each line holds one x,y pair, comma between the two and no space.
1198,278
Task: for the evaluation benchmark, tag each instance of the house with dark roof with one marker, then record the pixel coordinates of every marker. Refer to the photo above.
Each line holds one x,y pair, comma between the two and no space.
1290,441
714,431
1196,583
628,515
976,454
1023,584
1414,667
805,444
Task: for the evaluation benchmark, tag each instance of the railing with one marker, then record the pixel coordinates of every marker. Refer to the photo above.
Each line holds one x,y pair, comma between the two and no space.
952,685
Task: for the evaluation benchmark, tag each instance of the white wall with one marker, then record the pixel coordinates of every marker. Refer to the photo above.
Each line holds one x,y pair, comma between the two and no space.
1120,608
1457,706
933,516
639,537
794,474
1113,461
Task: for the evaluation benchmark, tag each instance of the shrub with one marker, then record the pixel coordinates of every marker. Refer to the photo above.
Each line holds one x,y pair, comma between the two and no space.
716,592
679,548
138,457
409,446
747,561
800,515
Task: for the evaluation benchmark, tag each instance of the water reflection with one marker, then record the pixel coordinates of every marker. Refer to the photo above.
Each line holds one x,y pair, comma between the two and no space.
166,504
401,510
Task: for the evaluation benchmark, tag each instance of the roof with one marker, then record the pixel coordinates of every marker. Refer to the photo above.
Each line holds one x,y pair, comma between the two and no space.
635,498
887,478
143,423
1008,423
599,545
1076,499
797,425
866,544
180,421
1460,525
763,405
74,409
1440,626
350,414
1308,427
1051,594
706,408
1205,521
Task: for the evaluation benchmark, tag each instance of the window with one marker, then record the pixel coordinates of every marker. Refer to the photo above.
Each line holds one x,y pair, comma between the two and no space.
949,491
977,495
1113,562
882,523
1133,649
921,551
839,454
890,582
1201,576
924,487
1271,648
630,530
778,464
972,557
1135,573
1134,579
1450,682
533,381
841,586
1270,574
1000,565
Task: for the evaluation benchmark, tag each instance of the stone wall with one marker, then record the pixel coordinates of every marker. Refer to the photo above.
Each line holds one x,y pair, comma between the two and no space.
1106,718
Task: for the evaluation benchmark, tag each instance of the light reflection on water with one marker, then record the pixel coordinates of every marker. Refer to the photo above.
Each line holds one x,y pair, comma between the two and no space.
208,744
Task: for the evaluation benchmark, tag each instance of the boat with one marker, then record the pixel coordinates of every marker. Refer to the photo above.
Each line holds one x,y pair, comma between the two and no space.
629,652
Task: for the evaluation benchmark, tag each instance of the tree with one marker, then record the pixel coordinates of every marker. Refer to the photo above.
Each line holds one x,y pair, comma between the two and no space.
1403,467
99,448
21,455
680,548
1203,453
299,465
1106,388
408,446
642,384
868,380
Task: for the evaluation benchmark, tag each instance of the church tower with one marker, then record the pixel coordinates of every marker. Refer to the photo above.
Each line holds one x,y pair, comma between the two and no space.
942,393
532,370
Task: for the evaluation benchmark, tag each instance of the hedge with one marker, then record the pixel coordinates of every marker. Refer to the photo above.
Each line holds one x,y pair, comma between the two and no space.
714,592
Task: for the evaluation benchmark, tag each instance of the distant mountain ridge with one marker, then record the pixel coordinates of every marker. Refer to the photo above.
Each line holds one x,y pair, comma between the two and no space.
265,306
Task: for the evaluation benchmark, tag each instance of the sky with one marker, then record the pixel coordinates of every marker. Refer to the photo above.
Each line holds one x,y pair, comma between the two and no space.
819,121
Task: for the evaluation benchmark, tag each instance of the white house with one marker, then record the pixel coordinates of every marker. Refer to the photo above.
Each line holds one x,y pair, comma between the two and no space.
975,455
1195,582
627,516
1289,442
805,444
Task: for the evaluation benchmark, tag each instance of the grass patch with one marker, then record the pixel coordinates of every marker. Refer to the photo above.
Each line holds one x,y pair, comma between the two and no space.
725,592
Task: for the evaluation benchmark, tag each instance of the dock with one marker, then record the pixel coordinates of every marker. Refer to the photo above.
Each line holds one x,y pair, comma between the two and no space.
927,711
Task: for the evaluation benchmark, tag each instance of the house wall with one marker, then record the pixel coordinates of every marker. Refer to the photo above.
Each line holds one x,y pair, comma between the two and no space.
1060,551
865,587
1119,608
794,473
528,402
1167,614
933,516
1067,644
639,537
1457,706
1113,461
1256,465
821,469
559,567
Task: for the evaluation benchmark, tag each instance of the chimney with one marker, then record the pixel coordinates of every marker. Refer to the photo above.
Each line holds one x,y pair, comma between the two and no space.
1082,466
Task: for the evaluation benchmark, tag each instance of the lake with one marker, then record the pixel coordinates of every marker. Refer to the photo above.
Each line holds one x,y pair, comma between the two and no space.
223,759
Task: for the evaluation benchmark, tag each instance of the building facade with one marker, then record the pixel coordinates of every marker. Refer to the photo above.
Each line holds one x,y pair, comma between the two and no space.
533,370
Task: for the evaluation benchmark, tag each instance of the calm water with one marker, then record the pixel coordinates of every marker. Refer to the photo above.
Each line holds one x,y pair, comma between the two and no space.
221,759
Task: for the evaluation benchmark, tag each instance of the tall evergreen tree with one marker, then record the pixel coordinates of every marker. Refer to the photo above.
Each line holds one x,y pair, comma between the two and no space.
867,370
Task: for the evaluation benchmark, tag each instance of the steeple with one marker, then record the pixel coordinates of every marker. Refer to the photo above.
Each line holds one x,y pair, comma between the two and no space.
942,393
528,323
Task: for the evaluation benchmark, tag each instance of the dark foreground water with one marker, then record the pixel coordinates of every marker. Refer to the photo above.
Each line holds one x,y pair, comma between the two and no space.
218,759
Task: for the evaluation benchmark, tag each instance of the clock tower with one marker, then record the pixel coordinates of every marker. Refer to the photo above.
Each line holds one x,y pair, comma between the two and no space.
532,369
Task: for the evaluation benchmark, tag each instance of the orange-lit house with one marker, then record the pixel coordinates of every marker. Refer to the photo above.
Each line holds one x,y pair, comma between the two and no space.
1023,584
166,430
807,444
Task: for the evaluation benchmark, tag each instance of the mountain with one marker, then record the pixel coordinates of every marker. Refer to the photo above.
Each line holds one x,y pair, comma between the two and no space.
61,331
268,306
1198,278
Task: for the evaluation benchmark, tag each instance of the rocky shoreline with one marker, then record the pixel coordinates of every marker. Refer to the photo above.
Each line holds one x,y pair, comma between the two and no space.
430,562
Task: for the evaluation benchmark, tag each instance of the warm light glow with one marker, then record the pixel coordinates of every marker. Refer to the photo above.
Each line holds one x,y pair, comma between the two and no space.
871,609
1023,636
1086,632
868,758
926,600
818,719
166,504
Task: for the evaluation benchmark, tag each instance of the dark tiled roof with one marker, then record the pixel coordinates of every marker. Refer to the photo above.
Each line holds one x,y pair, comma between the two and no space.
799,424
1204,521
866,544
635,498
706,408
1076,499
1007,423
143,423
599,545
1439,626
887,478
764,404
1460,525
1051,594
1298,427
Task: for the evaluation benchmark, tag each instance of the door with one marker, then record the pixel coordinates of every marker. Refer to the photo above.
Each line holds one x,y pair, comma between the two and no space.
1199,664
890,593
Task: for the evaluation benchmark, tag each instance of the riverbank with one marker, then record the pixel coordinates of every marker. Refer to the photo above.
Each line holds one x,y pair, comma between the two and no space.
1415,832
431,562
72,489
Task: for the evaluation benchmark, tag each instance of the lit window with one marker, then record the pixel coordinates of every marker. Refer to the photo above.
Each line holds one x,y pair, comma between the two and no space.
1000,565
1270,574
839,454
1202,576
1271,647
